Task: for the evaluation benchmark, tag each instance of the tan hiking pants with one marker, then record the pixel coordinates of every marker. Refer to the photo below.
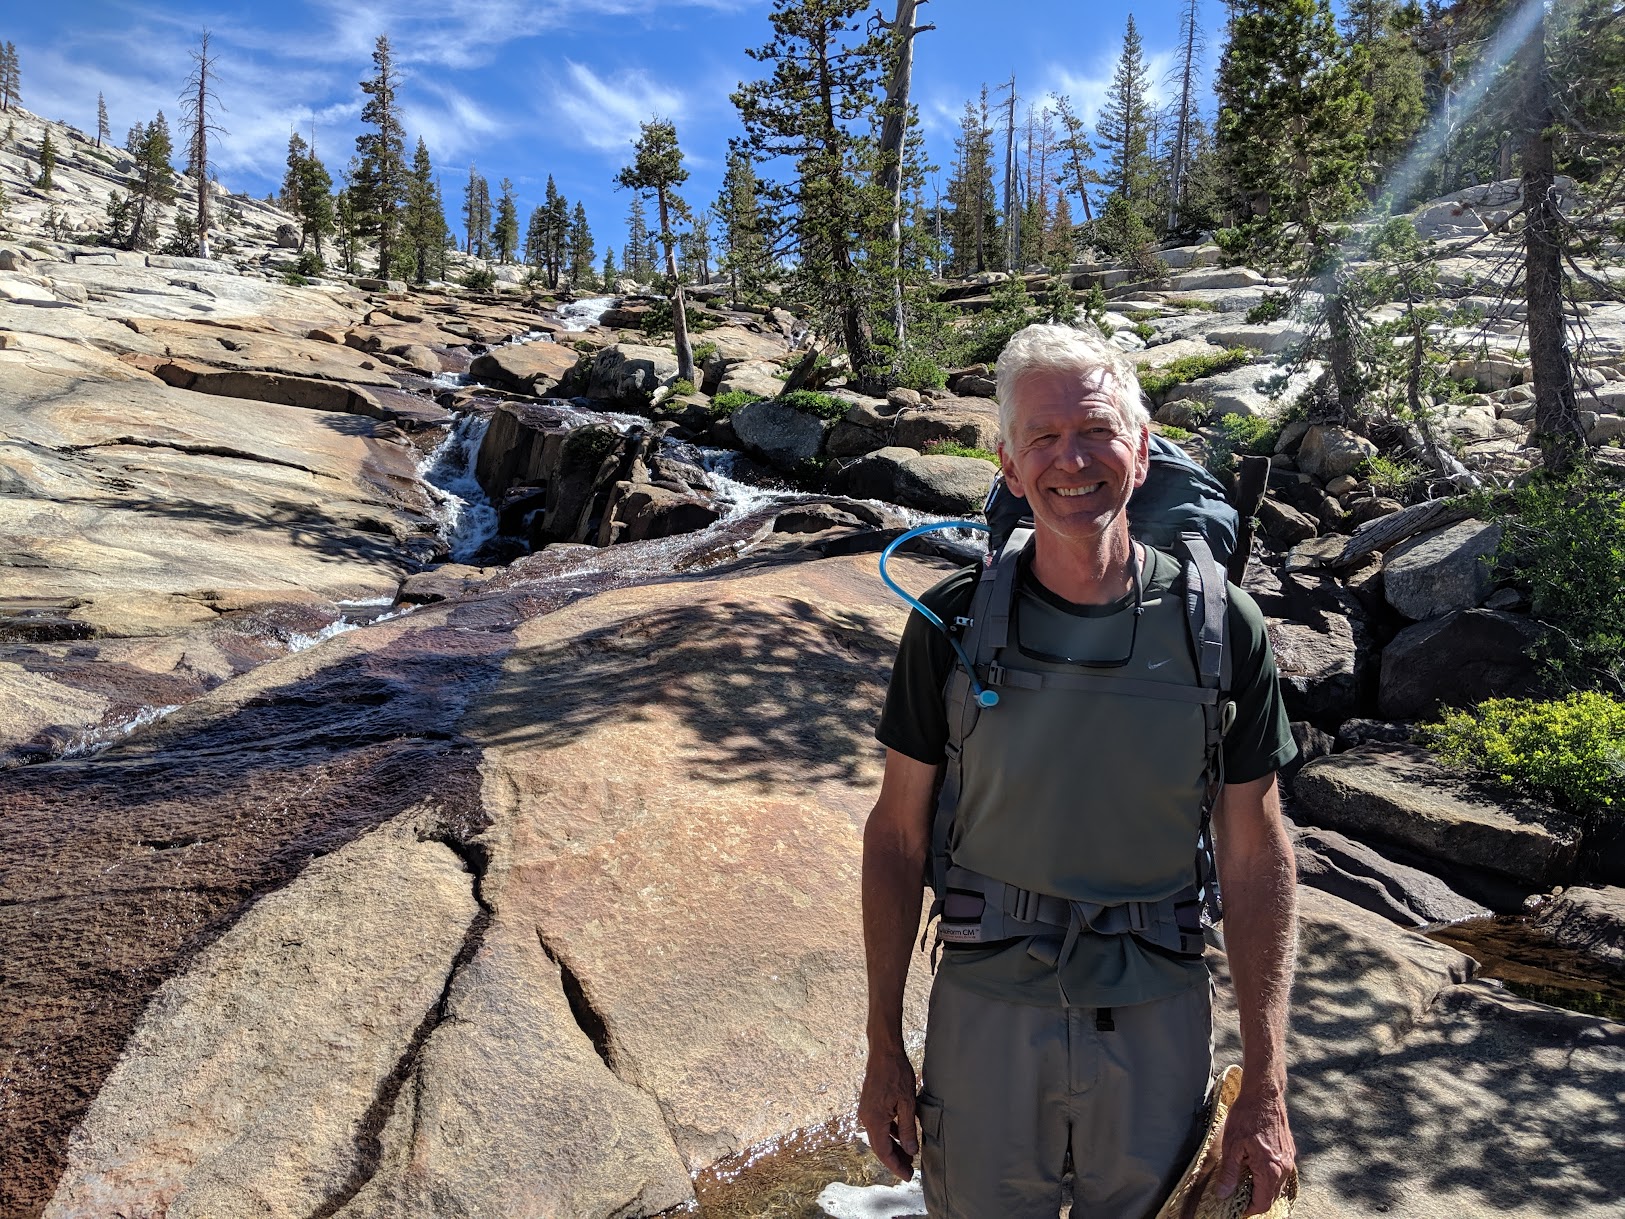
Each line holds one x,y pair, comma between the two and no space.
1010,1091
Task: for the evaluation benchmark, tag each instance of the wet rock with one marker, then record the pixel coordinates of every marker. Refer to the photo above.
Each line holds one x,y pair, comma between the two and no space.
1458,660
1328,450
638,512
952,485
238,1091
815,518
779,433
1402,796
1351,734
446,582
630,373
1442,570
527,368
1590,920
848,439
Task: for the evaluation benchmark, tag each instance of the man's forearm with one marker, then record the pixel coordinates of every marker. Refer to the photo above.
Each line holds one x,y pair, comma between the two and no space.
1259,882
892,878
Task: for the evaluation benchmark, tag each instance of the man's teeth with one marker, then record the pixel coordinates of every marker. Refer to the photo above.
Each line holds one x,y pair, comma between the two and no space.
1080,490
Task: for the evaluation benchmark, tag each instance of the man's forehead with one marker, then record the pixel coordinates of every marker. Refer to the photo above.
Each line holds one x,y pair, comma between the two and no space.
1077,393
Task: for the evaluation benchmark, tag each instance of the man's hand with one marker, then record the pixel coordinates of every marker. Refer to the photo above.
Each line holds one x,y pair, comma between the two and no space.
886,1111
1256,1137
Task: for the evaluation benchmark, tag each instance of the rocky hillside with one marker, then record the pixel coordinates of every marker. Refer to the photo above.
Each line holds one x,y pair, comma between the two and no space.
347,879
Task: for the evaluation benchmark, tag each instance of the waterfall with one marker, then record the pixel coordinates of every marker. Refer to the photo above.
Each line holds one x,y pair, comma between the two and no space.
467,519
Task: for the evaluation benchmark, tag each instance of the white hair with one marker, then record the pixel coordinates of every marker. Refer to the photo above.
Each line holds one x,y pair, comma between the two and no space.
1050,347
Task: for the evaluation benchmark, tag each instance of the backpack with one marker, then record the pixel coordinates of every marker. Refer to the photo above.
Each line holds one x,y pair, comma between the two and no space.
1177,497
969,908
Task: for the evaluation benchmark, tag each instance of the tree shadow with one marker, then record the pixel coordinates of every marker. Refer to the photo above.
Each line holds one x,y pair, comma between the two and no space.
772,693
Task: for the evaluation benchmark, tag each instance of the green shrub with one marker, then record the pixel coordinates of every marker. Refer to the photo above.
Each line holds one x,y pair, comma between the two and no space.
1145,330
1391,476
704,351
952,448
825,406
586,447
1252,435
726,404
1177,434
658,320
1191,368
1194,303
1569,750
682,387
293,279
479,279
1565,541
310,263
1143,315
917,370
1272,308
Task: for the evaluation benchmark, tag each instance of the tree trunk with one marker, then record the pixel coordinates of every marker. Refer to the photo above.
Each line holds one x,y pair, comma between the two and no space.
892,135
857,342
1012,205
1557,415
679,311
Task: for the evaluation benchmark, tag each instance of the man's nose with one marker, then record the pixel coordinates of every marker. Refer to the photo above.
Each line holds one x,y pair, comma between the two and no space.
1075,453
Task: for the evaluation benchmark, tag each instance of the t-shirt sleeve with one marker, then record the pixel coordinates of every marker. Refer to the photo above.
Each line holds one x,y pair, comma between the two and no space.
1260,741
914,720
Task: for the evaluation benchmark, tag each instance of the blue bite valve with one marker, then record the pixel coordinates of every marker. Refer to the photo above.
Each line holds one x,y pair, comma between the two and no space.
988,698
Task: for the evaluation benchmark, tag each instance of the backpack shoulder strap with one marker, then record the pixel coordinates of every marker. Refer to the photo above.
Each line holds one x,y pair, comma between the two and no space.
1207,615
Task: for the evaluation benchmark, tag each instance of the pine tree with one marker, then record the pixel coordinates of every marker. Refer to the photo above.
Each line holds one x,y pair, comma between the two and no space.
198,106
505,232
1292,121
47,162
298,150
536,237
1391,68
347,222
1079,152
153,186
1123,126
609,272
1184,76
476,213
973,225
313,189
423,221
380,184
823,71
742,257
657,167
10,78
104,130
694,248
581,249
635,261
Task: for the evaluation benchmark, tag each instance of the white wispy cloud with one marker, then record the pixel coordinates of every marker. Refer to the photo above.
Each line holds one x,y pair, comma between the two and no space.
603,112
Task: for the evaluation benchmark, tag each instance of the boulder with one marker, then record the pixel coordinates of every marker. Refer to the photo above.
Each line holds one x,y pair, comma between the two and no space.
735,344
1442,221
1228,277
1589,920
1401,795
528,368
1458,660
1160,355
1328,450
848,439
976,387
630,373
1361,875
1271,338
287,237
1440,571
1237,391
753,377
640,511
779,433
955,486
1490,374
1283,524
965,421
1322,650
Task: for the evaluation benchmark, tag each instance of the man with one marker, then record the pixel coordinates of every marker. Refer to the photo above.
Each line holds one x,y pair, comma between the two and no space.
1070,1046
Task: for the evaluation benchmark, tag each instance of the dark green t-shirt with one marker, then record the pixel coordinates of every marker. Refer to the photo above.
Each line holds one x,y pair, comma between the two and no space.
1104,971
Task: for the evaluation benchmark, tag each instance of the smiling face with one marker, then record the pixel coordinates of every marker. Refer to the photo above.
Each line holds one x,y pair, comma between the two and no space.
1070,453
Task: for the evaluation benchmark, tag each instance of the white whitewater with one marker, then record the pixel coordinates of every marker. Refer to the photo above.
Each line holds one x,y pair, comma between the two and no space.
467,519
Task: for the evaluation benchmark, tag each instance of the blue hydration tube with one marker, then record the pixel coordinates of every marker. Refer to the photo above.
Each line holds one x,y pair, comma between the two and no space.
984,698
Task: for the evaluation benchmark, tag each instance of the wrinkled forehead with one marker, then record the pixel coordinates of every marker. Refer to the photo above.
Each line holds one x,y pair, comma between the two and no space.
1077,392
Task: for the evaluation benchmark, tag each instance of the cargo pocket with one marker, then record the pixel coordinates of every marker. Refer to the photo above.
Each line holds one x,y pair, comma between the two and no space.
933,1163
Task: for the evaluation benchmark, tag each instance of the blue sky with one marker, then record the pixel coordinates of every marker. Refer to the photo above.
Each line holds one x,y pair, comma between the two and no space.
528,88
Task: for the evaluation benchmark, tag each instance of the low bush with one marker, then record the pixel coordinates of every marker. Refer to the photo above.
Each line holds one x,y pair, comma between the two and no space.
1569,750
952,448
825,406
293,279
479,279
1274,307
1565,542
310,263
726,404
704,351
916,370
681,388
1192,368
1251,435
1391,476
1193,303
1177,434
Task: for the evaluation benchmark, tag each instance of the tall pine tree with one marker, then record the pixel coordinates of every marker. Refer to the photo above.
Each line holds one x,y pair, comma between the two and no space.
423,222
103,129
974,223
580,249
823,72
198,106
380,185
1391,66
1124,125
476,213
635,254
743,246
11,78
657,168
505,232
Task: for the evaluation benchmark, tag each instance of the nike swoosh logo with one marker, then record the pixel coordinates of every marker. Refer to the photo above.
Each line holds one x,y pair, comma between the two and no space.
1157,664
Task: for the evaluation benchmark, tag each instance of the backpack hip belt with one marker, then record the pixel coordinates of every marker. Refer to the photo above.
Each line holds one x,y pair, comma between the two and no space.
980,909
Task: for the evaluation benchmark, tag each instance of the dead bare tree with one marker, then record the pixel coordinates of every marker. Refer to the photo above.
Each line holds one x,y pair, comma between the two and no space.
198,106
893,132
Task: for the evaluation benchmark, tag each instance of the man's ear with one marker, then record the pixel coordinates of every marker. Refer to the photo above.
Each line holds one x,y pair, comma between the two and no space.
1008,468
1142,459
